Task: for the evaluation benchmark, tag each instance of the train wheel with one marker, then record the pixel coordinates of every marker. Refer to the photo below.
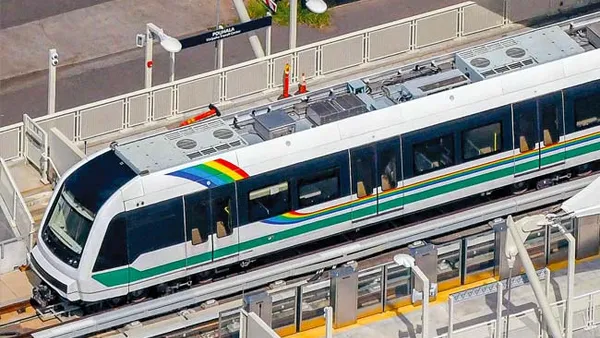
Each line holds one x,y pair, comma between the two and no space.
583,170
116,302
519,188
138,295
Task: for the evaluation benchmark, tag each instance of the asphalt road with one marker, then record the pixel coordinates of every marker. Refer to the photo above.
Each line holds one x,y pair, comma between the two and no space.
18,12
119,74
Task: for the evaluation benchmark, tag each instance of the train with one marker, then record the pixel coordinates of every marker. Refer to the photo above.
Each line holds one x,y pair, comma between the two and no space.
153,213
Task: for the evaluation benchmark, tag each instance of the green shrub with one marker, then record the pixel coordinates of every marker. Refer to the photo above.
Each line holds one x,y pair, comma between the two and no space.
257,10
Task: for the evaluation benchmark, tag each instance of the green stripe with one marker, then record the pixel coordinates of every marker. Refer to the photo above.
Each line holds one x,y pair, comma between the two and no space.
129,274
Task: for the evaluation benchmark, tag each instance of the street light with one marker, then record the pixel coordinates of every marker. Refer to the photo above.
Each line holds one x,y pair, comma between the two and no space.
170,44
408,261
517,235
315,6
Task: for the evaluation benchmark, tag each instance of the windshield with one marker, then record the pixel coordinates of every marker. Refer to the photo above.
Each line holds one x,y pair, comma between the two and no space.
70,222
67,229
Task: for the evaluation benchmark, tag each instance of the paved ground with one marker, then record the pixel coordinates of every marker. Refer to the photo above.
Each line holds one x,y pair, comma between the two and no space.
471,312
122,71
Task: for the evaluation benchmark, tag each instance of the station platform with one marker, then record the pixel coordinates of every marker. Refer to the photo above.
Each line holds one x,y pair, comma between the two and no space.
15,287
406,321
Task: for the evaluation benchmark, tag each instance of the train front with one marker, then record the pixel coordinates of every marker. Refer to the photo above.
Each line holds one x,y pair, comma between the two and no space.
60,257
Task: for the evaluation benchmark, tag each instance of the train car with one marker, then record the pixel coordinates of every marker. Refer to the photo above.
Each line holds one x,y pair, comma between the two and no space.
153,212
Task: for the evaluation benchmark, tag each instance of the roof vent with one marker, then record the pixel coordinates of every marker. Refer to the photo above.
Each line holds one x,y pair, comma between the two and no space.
223,134
186,143
480,62
515,52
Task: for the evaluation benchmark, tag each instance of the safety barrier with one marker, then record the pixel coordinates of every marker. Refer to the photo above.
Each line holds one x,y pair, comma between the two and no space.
13,253
63,153
36,145
17,210
314,60
586,315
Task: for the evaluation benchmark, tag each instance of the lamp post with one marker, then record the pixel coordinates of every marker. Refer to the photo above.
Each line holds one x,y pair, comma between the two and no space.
315,6
517,234
169,43
52,63
408,261
555,223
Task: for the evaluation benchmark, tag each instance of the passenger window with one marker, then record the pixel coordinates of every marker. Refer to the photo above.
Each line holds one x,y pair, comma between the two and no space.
196,217
155,227
387,160
221,212
587,111
363,171
319,188
550,123
433,154
268,202
482,141
113,252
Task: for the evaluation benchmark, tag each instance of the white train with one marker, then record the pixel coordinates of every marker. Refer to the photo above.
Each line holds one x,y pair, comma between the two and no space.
155,211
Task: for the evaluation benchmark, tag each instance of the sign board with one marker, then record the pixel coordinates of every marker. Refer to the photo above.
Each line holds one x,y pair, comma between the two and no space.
272,5
226,32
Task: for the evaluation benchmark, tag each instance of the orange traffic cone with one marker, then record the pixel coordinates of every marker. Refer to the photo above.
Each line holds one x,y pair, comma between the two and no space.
286,82
302,86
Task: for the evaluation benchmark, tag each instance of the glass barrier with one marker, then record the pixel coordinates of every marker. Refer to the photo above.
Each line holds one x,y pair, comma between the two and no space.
536,247
397,286
284,312
480,257
369,292
315,297
229,324
558,246
448,266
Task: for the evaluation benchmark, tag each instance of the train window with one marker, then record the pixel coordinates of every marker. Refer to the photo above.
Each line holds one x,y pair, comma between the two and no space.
525,125
550,122
154,227
482,141
319,188
222,218
387,163
587,111
363,171
113,252
433,154
196,217
268,202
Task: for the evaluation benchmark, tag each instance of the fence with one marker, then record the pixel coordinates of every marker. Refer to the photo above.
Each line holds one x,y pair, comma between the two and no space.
63,154
315,60
15,205
318,59
586,315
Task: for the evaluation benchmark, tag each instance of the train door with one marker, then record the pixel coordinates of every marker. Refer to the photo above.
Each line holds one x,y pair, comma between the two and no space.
389,176
225,237
364,189
527,152
551,130
539,133
199,243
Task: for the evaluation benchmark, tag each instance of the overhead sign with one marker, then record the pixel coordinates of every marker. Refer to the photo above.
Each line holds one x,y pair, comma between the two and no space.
272,5
226,32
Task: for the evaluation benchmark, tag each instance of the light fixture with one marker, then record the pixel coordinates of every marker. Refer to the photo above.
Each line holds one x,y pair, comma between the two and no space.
316,6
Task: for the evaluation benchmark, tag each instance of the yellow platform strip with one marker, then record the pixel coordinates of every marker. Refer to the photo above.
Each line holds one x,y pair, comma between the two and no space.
442,297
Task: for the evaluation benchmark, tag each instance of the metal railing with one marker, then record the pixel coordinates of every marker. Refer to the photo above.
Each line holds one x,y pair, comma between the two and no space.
18,214
260,75
527,323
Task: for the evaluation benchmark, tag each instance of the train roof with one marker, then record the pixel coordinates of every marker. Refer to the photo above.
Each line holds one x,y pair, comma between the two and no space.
204,140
